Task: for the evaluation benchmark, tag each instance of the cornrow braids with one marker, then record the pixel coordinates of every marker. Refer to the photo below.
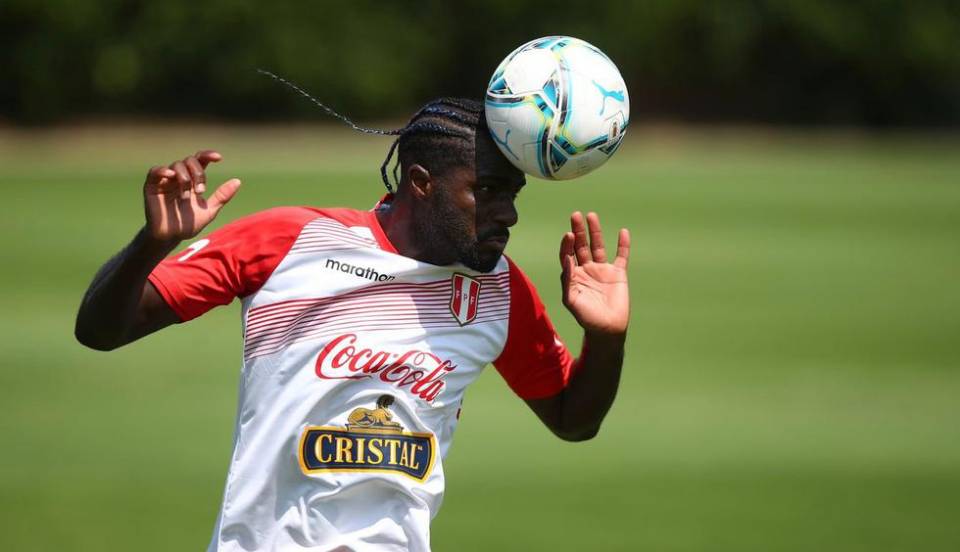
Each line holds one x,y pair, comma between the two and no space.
440,134
413,128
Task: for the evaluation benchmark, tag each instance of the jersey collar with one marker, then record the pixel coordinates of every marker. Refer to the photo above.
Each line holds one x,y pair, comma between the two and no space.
374,224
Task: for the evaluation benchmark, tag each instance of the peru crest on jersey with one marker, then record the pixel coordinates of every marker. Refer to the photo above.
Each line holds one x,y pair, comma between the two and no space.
463,298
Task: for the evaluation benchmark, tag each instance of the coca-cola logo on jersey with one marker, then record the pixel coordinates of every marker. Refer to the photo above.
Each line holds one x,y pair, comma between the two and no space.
418,372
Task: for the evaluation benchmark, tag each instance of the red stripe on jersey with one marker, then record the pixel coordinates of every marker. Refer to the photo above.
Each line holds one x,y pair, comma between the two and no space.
379,289
362,310
472,300
385,306
457,300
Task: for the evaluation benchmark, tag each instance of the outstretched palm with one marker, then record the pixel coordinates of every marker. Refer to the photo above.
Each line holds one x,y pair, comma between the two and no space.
594,290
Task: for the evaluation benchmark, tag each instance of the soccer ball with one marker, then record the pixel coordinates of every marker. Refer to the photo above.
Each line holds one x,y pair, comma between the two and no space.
557,107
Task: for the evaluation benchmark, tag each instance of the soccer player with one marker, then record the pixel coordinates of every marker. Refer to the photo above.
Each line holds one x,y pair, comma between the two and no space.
363,329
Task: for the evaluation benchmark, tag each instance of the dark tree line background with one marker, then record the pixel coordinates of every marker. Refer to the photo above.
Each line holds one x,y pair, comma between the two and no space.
878,63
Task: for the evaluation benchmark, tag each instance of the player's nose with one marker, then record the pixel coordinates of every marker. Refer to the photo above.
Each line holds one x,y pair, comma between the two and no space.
505,213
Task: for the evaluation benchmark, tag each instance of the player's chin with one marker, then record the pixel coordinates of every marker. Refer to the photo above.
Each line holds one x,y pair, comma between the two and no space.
486,255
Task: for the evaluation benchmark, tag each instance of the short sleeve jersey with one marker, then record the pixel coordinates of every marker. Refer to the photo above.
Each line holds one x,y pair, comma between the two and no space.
355,363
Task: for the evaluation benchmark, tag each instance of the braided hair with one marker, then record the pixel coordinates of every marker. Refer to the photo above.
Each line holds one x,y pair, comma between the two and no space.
439,136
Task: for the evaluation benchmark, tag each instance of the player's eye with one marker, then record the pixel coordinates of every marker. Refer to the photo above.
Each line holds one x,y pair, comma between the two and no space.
498,188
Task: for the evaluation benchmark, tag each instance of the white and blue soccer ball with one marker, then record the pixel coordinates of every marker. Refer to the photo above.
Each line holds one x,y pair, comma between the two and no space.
557,107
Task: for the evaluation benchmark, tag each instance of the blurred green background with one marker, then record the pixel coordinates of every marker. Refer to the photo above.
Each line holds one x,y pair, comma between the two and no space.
793,366
886,62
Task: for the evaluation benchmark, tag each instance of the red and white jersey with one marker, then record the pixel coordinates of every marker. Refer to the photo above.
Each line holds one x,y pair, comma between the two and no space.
355,363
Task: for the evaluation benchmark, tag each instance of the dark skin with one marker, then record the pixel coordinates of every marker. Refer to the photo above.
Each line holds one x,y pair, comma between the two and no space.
121,306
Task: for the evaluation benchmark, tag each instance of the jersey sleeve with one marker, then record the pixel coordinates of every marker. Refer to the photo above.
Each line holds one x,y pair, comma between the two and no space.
535,363
232,261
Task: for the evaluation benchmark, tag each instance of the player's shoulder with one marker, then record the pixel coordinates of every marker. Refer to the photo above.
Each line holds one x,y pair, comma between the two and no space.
278,229
292,219
519,281
513,267
285,216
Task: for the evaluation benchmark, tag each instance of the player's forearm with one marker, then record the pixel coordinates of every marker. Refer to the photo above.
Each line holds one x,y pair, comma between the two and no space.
590,394
108,315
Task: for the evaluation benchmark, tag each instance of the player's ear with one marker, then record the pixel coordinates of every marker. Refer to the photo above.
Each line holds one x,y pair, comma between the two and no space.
421,183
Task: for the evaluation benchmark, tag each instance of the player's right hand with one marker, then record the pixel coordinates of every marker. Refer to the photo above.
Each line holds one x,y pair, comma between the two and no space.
173,199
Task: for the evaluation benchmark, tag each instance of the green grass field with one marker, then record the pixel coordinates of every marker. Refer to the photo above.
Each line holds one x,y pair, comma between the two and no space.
792,379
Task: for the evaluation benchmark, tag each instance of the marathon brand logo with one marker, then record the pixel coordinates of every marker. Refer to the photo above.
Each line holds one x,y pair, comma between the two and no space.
360,271
370,442
419,372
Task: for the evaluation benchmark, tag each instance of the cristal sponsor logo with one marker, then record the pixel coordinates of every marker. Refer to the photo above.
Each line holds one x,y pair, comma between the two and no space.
361,271
418,372
371,442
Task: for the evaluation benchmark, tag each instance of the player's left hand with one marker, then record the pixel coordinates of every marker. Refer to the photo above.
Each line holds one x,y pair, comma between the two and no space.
594,290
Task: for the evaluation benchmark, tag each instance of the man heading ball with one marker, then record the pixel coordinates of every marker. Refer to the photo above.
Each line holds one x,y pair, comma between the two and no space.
362,330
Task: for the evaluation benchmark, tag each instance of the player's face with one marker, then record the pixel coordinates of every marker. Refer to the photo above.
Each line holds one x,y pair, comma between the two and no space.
473,207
